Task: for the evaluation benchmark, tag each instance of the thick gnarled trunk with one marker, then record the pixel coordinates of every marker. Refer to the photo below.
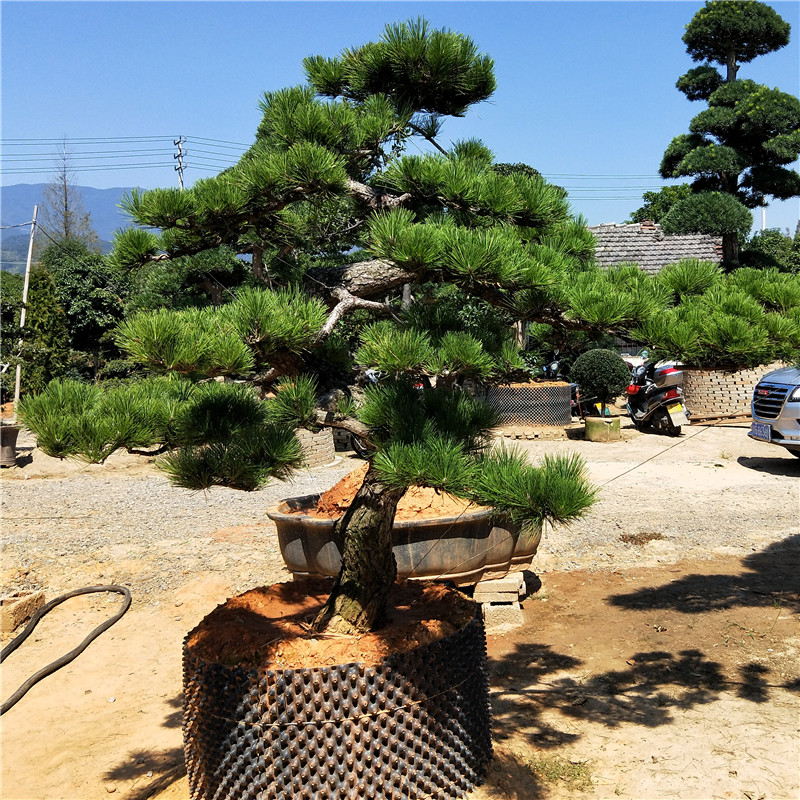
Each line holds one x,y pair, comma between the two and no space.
358,600
730,249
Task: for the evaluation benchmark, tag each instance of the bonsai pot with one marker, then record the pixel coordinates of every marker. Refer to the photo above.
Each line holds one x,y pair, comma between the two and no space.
602,429
8,444
415,724
476,545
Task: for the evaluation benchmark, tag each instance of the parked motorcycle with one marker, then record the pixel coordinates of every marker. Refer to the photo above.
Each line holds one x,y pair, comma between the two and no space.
655,398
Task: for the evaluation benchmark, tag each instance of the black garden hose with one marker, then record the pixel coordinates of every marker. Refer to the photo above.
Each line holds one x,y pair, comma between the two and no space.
73,654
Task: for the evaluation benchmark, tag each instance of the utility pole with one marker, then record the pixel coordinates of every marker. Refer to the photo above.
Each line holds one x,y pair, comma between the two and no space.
22,313
179,166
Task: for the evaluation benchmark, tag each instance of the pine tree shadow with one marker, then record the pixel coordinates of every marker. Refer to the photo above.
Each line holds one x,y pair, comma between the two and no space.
155,769
544,699
646,693
770,577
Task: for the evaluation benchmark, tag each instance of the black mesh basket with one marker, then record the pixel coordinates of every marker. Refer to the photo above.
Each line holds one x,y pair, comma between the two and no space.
416,725
546,405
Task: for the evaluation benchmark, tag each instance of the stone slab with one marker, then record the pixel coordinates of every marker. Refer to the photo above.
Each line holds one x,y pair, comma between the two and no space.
488,598
18,608
507,589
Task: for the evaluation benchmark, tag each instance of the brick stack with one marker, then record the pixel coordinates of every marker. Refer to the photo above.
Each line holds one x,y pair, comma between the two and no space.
499,601
317,447
341,439
710,392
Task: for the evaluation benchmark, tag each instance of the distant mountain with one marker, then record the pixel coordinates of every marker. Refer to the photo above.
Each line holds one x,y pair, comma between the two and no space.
16,207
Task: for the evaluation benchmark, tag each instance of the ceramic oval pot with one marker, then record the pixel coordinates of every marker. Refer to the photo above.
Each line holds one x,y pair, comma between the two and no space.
476,545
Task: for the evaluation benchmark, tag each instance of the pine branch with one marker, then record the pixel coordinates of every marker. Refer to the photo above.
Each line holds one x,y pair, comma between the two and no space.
347,302
374,199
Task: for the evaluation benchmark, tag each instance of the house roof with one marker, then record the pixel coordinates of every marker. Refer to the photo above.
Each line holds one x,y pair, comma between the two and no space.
648,246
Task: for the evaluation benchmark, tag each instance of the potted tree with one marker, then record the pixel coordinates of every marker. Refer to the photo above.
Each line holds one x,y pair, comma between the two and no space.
306,689
604,375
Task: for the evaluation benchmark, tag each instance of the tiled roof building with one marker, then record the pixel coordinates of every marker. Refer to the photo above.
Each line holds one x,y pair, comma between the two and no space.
648,246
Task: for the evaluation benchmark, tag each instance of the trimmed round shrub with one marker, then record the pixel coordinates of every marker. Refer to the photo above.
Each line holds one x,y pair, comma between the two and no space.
601,374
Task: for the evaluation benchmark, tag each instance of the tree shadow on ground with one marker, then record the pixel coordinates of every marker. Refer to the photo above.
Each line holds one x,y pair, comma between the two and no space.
153,770
645,694
769,578
543,699
786,466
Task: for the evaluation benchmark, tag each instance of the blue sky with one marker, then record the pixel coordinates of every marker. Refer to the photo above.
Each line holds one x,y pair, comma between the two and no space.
586,90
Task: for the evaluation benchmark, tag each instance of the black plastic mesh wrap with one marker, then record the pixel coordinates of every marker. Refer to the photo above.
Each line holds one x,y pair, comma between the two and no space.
532,404
417,725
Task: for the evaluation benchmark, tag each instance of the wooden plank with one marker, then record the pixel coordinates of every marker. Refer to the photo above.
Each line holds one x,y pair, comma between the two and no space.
693,418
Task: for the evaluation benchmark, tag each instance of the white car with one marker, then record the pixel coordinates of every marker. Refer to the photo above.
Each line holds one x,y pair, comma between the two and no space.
776,409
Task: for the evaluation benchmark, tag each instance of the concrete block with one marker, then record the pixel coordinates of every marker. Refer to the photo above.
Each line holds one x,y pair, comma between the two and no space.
502,616
496,597
18,608
513,583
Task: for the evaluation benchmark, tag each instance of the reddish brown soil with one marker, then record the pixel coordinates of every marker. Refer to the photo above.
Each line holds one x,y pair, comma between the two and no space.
7,411
536,383
269,626
418,501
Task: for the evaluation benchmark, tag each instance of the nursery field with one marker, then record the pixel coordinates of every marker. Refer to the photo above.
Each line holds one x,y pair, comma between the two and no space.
658,659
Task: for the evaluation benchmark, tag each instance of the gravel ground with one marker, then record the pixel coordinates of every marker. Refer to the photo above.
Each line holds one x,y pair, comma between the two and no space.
711,492
103,524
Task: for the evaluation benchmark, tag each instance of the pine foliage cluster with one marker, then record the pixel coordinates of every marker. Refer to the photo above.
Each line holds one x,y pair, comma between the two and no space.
213,433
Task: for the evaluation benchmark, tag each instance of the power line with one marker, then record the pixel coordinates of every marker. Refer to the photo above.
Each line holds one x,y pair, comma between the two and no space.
101,168
96,154
100,140
219,141
210,154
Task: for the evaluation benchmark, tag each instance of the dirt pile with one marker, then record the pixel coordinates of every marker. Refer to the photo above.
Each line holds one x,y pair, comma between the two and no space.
269,626
419,502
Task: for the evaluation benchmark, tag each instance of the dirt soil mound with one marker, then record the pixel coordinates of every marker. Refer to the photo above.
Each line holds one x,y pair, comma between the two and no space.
419,502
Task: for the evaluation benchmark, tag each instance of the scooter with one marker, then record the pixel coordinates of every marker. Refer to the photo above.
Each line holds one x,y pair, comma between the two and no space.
655,398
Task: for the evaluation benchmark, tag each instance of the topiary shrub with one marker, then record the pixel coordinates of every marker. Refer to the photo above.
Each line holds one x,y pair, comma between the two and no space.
602,374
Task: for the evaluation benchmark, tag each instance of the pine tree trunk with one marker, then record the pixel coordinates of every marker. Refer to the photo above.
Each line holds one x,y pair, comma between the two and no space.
257,265
358,600
730,249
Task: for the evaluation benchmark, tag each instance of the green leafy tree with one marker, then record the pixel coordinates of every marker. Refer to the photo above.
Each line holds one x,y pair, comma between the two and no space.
11,286
743,143
657,204
771,248
45,338
207,278
86,293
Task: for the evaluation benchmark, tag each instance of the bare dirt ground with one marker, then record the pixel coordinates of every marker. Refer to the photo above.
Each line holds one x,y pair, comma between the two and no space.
658,659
